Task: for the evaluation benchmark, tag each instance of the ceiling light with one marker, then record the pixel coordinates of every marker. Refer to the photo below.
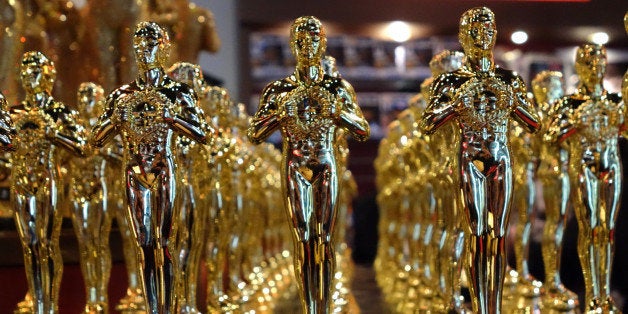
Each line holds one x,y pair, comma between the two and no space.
599,38
398,31
519,37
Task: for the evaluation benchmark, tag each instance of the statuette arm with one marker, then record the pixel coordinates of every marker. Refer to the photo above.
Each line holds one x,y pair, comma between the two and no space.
268,117
441,108
350,116
105,129
524,112
70,134
561,126
7,131
189,120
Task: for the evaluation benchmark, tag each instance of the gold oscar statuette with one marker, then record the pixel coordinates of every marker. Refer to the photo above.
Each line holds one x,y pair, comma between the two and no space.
148,113
553,173
308,107
89,209
482,99
42,126
590,123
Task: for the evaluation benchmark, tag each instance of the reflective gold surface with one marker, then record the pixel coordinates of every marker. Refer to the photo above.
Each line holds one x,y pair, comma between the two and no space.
590,123
482,99
348,189
42,124
7,131
525,151
90,211
553,173
308,107
443,145
148,112
214,102
133,300
406,268
6,144
246,259
191,219
226,222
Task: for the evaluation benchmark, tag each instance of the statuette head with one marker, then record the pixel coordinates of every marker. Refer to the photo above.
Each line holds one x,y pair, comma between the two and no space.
307,39
151,45
188,73
446,61
548,86
89,97
591,64
478,31
37,72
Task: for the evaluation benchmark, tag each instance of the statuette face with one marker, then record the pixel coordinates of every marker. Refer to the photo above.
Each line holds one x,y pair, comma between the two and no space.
151,45
37,72
308,38
547,88
190,74
478,31
446,61
91,97
590,63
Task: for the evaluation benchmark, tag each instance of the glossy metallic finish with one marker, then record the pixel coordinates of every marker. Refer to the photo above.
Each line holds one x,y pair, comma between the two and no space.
148,112
482,99
308,107
230,164
524,149
404,273
590,123
192,218
42,124
133,300
443,145
7,131
90,212
348,189
216,103
553,173
347,192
